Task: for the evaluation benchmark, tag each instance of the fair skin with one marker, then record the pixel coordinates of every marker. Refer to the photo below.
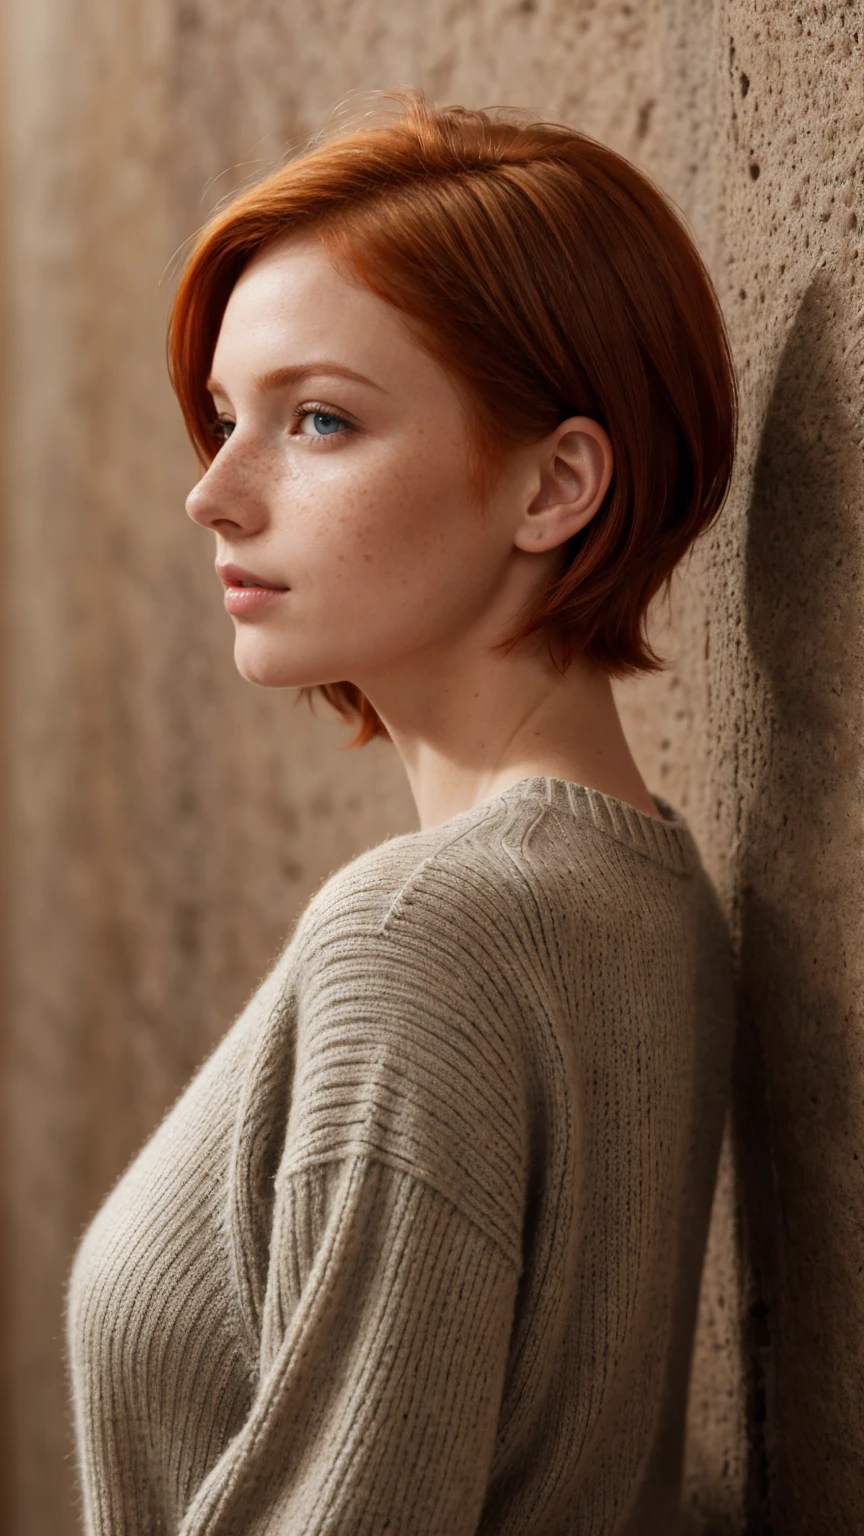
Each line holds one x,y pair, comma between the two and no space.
352,495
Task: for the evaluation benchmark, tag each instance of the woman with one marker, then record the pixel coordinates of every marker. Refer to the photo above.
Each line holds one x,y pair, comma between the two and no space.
418,1250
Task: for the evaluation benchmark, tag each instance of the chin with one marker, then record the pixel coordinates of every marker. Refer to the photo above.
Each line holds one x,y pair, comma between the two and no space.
257,664
272,676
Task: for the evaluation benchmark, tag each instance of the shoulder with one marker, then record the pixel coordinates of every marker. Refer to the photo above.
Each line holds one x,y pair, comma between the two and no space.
411,1019
419,935
496,886
419,884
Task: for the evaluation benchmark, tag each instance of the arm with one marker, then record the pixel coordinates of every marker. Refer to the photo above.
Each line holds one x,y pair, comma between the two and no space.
388,1322
393,1265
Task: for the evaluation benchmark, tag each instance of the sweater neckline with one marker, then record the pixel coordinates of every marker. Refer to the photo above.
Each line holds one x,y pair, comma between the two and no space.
666,839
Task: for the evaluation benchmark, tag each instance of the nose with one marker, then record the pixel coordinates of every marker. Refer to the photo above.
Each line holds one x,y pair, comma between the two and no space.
199,505
206,506
224,499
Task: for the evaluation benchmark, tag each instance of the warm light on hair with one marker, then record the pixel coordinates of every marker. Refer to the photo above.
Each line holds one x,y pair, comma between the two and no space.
550,277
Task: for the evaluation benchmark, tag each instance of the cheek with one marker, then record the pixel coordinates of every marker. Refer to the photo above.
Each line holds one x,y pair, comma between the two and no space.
383,562
396,526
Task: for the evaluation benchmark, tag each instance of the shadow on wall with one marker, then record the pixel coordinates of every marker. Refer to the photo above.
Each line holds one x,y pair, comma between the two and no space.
801,1082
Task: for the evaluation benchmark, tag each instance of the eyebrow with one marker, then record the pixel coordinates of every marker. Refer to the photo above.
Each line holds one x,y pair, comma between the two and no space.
278,378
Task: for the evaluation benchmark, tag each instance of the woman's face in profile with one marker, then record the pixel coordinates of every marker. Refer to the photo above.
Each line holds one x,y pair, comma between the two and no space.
343,479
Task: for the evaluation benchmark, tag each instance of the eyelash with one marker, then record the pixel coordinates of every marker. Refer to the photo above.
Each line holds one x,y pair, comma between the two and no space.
310,408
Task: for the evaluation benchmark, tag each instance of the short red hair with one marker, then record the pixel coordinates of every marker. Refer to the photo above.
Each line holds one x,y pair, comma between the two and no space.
553,279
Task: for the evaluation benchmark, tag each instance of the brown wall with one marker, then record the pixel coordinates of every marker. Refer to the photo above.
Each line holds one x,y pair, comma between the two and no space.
168,819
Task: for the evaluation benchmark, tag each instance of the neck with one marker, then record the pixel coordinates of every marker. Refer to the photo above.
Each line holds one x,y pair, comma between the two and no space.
468,731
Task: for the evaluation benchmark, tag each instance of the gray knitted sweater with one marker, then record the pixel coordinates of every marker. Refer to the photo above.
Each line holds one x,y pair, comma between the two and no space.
417,1251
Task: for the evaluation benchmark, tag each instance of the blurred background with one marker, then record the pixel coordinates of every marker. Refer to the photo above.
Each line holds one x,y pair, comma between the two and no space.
164,821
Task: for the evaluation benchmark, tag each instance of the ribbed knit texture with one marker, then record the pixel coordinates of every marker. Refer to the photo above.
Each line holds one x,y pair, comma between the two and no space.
417,1252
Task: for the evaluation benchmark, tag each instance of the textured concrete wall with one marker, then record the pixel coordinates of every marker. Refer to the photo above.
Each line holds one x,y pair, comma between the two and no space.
168,819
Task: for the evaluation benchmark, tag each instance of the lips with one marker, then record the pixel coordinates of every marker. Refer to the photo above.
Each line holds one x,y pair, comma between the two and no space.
237,576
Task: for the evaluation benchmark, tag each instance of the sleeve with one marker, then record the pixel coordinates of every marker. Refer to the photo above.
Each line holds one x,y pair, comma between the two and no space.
394,1259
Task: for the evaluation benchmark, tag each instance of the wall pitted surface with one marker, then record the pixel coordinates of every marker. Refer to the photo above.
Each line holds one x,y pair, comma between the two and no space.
168,820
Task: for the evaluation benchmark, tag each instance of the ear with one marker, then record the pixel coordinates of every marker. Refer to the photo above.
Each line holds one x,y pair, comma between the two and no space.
575,467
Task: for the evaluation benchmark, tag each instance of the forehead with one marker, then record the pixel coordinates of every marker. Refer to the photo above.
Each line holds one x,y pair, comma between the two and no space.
291,308
291,297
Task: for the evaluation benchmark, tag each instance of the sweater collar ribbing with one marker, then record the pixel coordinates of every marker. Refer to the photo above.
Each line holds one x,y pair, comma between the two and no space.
668,841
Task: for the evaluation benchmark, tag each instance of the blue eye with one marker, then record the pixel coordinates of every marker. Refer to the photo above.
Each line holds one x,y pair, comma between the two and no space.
317,420
325,423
